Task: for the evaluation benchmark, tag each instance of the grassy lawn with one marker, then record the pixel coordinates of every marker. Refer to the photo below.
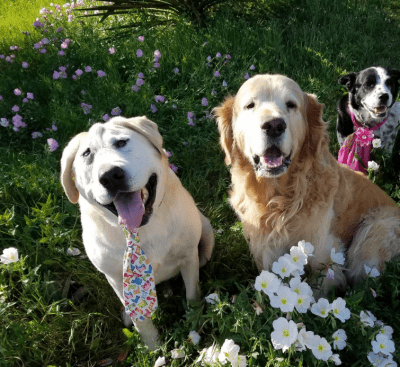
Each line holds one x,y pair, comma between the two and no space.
56,309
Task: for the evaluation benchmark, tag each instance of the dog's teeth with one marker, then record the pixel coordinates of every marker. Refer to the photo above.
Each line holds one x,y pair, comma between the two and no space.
145,195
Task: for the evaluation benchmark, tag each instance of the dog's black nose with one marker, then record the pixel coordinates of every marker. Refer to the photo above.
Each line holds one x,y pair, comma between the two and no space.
112,178
384,97
275,127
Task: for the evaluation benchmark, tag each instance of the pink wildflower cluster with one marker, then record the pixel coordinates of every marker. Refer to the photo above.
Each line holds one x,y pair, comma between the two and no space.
139,82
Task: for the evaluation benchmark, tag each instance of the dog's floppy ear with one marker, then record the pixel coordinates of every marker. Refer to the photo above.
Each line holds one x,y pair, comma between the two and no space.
145,127
224,114
348,80
67,160
316,136
395,74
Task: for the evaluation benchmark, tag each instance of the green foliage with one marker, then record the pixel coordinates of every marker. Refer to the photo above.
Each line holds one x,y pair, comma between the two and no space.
58,310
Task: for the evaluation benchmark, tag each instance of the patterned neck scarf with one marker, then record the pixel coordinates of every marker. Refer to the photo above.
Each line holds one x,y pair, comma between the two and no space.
139,285
357,146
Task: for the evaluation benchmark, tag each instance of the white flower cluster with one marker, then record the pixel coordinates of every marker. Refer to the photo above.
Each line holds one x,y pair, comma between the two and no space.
229,353
383,346
287,292
10,255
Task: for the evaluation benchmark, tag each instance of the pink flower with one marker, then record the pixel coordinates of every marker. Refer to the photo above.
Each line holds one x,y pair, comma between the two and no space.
364,136
36,134
52,143
29,95
54,127
2,56
153,108
61,53
37,24
74,77
25,64
252,67
43,51
64,45
59,29
141,75
106,117
157,65
79,72
25,100
1,98
216,73
173,167
15,108
17,92
101,73
176,70
88,69
62,68
204,102
139,82
168,153
160,99
228,57
56,75
111,50
185,143
86,108
247,76
45,41
218,55
157,53
4,122
139,53
116,111
135,88
141,38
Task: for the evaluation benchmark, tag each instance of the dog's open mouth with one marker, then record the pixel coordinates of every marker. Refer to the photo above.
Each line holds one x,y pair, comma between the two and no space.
134,209
272,163
380,111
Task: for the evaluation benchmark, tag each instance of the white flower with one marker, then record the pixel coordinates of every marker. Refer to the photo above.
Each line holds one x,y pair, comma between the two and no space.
373,165
299,258
284,334
387,330
301,341
367,319
376,143
335,359
380,361
337,258
321,308
321,348
306,247
194,337
372,273
267,282
339,309
282,267
285,299
10,255
208,355
73,251
177,353
339,339
212,298
258,309
160,362
297,269
383,345
229,352
241,362
303,292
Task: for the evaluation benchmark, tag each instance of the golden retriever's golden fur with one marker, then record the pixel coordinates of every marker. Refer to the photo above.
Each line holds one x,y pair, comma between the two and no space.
287,186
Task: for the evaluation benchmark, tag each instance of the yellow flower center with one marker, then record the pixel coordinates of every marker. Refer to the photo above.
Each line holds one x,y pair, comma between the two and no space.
321,348
264,284
382,346
323,312
284,301
297,290
286,333
300,301
283,270
336,311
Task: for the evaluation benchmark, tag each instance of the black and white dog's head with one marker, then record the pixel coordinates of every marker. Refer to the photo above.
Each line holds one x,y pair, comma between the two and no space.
372,92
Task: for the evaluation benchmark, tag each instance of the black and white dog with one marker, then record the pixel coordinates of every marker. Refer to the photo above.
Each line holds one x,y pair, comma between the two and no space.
371,99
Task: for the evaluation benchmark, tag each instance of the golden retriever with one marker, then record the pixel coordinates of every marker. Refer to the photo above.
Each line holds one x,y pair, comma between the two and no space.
287,186
104,169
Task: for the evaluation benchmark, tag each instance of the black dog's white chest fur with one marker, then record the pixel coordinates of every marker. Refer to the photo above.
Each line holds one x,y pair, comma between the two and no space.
371,98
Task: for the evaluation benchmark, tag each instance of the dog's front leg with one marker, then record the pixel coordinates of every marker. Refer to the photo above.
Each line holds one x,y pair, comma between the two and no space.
148,332
190,275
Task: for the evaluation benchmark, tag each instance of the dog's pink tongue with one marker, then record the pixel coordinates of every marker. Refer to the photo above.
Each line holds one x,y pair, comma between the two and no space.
130,209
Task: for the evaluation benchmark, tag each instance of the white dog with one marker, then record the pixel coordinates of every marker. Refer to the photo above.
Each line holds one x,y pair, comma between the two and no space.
104,168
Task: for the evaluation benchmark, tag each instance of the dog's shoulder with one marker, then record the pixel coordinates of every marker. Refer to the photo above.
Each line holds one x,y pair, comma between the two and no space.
344,125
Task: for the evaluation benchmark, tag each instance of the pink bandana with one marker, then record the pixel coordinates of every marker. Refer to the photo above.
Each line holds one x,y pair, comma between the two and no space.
139,285
357,146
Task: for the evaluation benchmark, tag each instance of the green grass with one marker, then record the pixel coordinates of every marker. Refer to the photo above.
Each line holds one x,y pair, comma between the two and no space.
313,42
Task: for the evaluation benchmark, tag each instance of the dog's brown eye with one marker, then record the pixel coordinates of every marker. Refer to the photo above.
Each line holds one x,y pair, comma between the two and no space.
121,143
250,106
86,153
290,105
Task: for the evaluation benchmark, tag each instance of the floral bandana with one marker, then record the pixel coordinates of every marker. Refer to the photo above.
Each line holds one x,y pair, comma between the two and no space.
139,285
357,146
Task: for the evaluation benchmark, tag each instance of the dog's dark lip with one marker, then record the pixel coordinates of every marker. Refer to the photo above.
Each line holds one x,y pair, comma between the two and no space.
151,187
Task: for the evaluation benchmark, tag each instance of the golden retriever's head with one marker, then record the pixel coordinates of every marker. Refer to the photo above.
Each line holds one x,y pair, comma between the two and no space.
268,122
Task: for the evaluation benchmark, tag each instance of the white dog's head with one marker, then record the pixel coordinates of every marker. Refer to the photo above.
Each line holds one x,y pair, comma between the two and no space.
117,165
266,122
